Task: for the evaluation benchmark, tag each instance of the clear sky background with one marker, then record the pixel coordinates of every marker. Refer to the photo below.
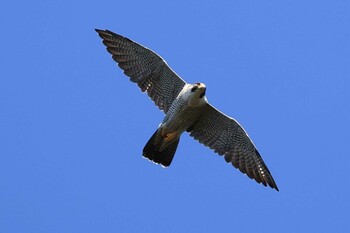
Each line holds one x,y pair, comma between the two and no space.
72,126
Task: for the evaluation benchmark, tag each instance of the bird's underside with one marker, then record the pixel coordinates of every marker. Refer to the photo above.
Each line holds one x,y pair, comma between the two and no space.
201,120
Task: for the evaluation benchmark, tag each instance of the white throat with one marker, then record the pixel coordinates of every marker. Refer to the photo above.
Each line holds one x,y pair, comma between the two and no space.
193,98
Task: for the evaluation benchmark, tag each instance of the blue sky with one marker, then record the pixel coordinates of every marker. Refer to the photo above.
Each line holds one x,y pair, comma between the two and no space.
72,126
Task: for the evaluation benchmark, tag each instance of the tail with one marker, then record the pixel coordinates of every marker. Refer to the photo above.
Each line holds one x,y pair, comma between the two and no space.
160,151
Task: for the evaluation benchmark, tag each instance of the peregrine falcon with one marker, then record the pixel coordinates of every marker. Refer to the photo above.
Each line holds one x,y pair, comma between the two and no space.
186,109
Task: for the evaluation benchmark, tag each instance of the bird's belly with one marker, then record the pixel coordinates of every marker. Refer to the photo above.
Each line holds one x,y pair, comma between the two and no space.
181,119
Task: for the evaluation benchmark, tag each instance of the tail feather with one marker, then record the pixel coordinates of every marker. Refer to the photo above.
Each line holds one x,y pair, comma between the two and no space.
159,151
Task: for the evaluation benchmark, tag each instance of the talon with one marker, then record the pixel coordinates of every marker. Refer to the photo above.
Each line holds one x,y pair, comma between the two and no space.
169,136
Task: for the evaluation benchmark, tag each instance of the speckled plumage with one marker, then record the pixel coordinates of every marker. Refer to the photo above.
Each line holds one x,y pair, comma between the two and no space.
186,109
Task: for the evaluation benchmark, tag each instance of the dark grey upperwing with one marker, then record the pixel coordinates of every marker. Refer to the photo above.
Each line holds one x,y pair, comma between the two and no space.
226,137
144,67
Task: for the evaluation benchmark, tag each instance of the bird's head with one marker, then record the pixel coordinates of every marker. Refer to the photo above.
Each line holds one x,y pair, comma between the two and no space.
196,94
198,90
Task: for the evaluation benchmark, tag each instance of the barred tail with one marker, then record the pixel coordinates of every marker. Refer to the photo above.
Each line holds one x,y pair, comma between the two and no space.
160,151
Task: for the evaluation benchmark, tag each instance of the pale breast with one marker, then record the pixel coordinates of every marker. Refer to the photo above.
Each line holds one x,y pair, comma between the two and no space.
181,116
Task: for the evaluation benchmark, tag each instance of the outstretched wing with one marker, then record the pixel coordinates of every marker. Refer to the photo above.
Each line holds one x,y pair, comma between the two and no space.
144,67
226,137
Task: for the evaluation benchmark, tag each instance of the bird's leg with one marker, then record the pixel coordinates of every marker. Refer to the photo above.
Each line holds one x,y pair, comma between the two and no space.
169,136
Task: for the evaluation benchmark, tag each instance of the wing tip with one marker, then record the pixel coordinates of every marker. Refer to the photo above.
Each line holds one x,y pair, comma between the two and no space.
270,182
273,184
267,182
102,32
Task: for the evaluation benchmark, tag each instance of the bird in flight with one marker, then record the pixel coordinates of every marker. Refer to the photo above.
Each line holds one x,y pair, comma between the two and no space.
186,109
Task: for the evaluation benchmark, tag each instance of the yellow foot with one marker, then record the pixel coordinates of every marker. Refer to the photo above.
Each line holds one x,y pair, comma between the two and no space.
170,136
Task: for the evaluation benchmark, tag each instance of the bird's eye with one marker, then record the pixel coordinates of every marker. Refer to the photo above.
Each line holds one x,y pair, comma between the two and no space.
194,88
